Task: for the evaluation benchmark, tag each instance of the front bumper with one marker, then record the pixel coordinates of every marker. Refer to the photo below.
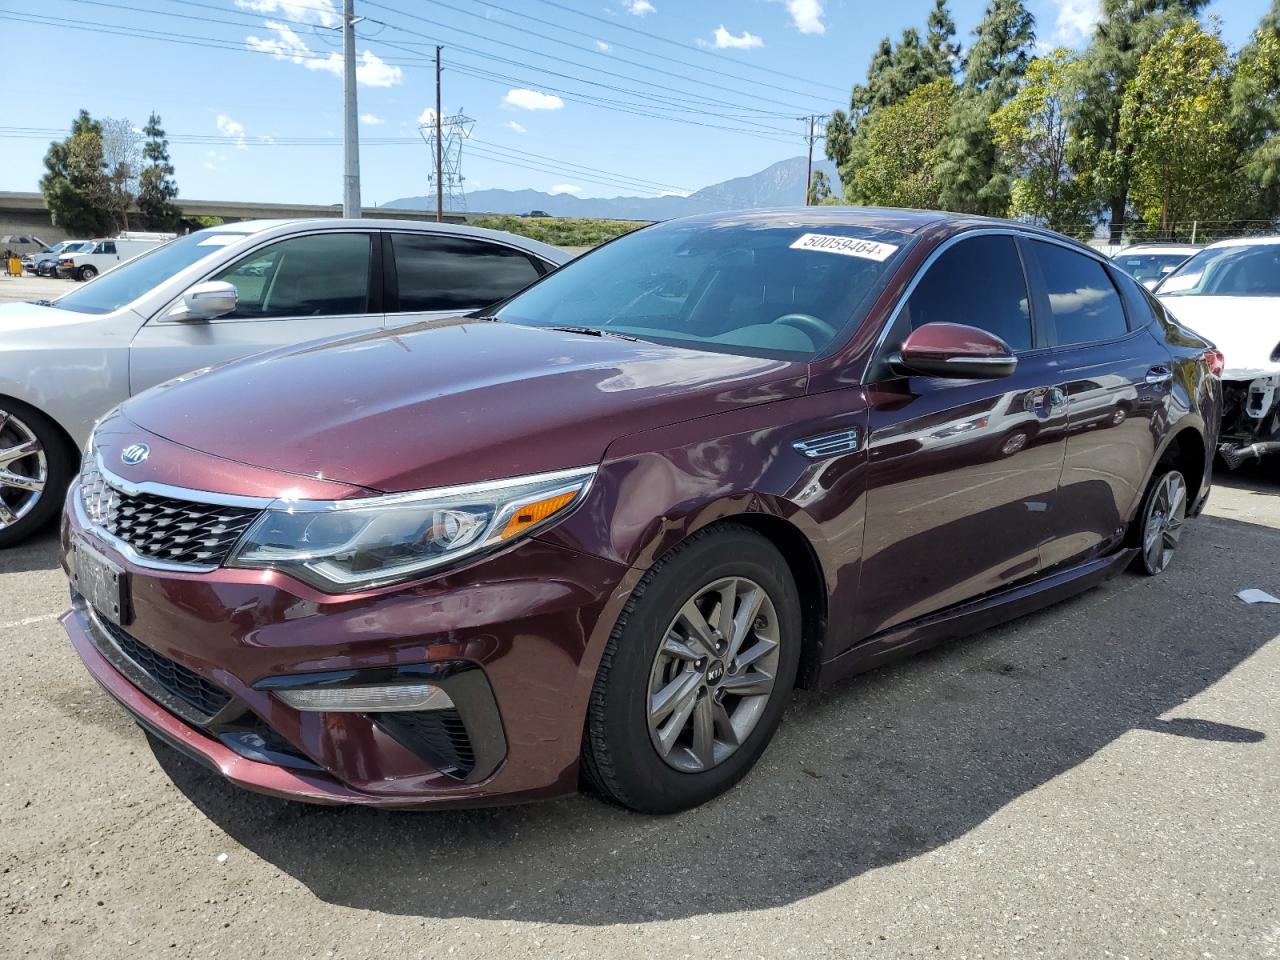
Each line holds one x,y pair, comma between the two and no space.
514,638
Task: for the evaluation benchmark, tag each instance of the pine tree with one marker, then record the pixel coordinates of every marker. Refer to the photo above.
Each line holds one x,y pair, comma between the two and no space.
972,178
944,51
157,188
75,184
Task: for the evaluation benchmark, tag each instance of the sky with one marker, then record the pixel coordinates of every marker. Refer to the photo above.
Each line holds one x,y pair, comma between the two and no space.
589,97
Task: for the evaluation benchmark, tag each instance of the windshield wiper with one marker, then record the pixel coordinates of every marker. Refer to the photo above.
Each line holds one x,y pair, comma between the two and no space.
42,303
595,332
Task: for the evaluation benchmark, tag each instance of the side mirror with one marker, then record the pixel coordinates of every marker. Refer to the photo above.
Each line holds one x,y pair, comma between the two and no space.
955,350
205,301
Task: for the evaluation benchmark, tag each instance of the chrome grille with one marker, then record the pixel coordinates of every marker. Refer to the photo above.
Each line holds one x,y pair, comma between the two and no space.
168,529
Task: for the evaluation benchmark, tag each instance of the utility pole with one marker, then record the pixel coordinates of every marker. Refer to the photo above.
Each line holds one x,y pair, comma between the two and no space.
439,146
351,130
812,137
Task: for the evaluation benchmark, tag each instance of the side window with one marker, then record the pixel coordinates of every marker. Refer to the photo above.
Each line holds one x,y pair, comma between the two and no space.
1142,307
323,275
978,282
456,273
1082,298
108,247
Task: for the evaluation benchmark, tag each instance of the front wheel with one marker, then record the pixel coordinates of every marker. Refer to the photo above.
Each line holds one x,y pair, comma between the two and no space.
696,674
35,468
87,272
1160,523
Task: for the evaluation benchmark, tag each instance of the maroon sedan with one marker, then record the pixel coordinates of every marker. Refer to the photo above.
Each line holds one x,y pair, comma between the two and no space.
604,531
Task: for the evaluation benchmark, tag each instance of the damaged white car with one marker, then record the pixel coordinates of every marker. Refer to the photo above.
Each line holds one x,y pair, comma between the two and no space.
1230,293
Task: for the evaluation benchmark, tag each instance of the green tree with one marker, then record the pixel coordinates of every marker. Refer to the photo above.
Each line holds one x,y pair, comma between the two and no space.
970,173
122,161
819,188
1124,33
940,39
1033,131
75,185
1175,128
156,186
895,153
1255,111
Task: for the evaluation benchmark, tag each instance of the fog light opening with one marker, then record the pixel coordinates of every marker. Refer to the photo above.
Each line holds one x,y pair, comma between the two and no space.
379,698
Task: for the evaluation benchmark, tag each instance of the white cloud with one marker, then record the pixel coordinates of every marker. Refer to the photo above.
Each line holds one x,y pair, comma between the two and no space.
517,127
213,159
724,40
1076,20
602,46
565,188
532,100
371,119
323,12
232,129
806,15
638,8
371,70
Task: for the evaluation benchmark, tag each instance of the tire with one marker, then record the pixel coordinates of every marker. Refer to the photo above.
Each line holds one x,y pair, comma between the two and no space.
24,510
86,273
1159,523
623,754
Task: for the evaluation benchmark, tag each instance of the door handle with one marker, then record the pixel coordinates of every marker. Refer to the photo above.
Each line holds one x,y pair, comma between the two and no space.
1159,374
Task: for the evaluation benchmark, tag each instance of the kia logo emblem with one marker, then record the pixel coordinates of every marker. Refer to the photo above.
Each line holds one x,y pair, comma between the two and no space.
135,453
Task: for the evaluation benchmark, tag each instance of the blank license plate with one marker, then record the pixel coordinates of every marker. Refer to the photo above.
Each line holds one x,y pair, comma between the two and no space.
105,585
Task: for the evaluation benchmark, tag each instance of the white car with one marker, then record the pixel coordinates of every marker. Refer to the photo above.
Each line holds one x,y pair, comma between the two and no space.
1230,293
214,296
1149,263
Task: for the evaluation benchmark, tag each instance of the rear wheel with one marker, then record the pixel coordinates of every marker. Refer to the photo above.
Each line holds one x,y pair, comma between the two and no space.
696,674
1160,522
35,468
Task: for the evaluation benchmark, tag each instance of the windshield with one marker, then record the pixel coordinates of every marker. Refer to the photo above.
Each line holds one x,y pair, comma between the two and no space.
768,289
132,279
1236,271
1145,267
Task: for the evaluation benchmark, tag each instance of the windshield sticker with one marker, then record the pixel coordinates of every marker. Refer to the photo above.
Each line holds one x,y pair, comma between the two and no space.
846,246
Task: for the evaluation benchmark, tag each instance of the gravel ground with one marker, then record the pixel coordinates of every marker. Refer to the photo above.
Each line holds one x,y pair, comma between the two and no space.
1101,779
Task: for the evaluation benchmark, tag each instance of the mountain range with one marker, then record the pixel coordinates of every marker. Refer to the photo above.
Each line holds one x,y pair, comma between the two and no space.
778,185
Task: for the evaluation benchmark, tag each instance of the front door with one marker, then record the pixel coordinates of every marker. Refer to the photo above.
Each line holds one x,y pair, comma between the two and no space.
962,473
297,289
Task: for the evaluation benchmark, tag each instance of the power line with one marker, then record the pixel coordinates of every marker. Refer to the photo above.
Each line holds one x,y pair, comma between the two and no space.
684,46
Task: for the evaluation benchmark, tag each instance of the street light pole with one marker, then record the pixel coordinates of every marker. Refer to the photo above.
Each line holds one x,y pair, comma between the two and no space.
351,129
439,146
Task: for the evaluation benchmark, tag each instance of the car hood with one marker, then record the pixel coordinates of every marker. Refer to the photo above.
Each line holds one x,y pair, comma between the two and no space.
436,404
31,325
1245,329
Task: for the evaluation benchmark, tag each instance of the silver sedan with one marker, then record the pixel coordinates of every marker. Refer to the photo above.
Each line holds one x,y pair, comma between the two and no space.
213,296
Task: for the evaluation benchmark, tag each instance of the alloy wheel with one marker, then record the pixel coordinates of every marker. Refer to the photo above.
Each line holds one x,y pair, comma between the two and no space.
24,471
1162,525
713,674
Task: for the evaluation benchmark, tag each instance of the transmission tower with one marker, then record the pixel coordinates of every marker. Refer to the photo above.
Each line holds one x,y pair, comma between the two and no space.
453,130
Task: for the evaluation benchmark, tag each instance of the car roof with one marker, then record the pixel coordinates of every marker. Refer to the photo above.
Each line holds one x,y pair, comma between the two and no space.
251,227
1247,242
1161,247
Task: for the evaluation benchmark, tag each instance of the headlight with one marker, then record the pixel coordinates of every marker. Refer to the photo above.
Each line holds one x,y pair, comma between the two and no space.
343,546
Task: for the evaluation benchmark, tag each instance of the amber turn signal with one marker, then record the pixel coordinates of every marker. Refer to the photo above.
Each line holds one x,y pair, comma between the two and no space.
528,514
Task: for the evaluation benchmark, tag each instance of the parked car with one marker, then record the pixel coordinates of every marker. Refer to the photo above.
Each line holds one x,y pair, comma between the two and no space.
104,255
1230,291
22,243
607,526
45,263
213,296
1149,263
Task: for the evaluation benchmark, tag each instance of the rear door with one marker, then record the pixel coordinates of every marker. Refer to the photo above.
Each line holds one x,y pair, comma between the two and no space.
962,473
431,275
300,288
1116,380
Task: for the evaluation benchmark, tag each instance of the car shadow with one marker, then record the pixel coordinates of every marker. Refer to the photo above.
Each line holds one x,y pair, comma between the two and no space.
41,552
881,769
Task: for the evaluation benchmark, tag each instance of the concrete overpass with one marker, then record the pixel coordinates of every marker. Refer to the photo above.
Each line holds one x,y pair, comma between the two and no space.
25,213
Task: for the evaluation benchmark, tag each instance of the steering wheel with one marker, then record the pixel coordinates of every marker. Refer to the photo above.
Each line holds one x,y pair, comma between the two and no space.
819,331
